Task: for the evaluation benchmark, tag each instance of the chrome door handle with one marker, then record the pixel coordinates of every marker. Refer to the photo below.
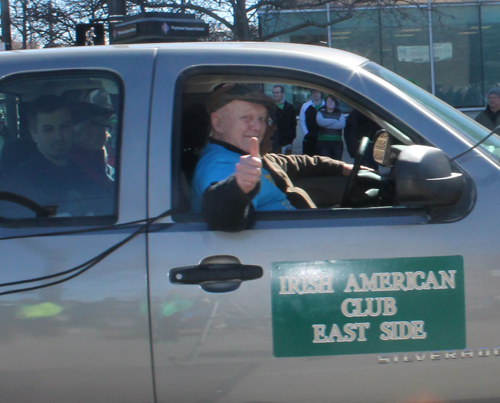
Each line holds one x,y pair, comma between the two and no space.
216,274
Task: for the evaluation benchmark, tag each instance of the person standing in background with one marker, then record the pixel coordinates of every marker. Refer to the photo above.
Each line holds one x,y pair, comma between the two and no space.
331,122
310,127
286,123
357,126
490,117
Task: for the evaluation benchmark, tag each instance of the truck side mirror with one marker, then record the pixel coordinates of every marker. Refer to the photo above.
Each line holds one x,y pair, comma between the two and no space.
423,177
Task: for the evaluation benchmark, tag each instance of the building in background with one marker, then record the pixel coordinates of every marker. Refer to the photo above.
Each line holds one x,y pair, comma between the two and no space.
450,49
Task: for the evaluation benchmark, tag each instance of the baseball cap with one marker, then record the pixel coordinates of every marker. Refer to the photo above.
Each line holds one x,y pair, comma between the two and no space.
494,91
226,93
82,111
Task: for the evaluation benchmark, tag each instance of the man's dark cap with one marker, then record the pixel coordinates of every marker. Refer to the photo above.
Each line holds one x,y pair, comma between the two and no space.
226,93
494,91
82,111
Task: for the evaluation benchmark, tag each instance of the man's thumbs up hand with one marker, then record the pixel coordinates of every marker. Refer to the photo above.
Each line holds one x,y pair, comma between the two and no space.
248,170
254,147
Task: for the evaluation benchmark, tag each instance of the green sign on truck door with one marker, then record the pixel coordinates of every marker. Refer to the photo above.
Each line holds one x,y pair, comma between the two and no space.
368,306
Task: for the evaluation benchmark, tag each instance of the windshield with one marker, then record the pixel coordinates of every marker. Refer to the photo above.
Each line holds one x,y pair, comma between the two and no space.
462,123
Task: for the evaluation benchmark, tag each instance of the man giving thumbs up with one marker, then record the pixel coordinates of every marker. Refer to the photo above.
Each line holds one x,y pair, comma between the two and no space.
231,178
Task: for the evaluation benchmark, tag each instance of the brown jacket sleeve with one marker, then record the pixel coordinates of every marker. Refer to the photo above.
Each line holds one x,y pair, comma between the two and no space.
302,166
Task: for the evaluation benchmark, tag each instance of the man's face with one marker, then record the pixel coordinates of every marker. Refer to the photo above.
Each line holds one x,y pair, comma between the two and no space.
316,96
53,135
277,94
93,134
494,102
238,121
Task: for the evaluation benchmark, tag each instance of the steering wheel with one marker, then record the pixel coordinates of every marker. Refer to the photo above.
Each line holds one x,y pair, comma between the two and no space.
353,177
40,211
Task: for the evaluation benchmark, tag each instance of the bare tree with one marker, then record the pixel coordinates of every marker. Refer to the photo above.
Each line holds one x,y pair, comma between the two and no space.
42,23
37,23
49,23
21,24
87,10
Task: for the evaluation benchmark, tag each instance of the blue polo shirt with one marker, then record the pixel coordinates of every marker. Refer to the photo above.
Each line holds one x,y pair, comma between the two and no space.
217,163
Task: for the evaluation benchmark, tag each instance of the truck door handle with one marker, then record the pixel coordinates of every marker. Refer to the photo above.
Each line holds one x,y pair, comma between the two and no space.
220,273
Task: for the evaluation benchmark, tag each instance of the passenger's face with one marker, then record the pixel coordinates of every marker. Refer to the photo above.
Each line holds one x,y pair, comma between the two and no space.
494,102
53,135
277,94
93,134
238,121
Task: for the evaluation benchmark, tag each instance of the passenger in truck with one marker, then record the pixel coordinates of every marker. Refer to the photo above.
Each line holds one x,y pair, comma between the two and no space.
49,176
89,152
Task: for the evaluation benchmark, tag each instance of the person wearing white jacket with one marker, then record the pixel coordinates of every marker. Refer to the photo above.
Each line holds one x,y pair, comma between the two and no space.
307,119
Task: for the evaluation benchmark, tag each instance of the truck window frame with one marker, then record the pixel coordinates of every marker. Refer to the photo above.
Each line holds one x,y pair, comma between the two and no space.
67,74
386,215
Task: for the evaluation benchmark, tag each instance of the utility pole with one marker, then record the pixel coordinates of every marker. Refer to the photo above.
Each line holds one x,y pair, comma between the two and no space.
5,18
25,23
50,20
117,10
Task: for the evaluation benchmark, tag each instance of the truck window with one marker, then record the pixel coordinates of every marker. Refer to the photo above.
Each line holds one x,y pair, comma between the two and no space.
325,187
59,149
313,188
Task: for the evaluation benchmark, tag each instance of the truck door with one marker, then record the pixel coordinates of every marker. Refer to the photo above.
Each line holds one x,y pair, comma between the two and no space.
349,299
74,323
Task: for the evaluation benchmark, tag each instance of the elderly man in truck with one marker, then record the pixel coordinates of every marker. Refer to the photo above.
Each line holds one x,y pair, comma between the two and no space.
232,179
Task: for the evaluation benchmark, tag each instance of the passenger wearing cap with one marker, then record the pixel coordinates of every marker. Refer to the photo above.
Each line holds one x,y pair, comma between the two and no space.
49,176
231,178
490,117
90,137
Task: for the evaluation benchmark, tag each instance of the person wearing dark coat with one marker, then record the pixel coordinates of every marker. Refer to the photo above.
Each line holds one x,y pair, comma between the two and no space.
307,119
49,176
490,117
285,120
331,122
358,126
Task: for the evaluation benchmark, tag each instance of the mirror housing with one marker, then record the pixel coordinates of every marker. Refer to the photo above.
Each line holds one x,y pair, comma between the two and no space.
423,177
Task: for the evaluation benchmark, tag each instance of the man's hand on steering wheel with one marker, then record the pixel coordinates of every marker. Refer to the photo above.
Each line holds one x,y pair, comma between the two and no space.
346,170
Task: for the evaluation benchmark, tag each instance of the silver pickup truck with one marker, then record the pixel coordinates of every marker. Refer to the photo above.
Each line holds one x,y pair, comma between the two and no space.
112,290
